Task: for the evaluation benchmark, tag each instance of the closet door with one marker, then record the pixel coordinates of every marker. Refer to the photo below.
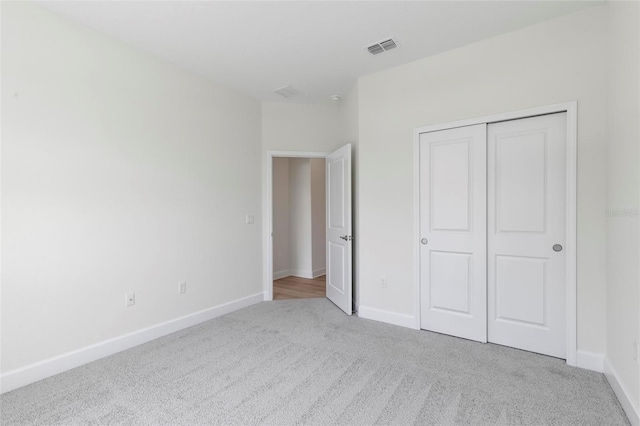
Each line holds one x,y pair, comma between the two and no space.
526,179
453,232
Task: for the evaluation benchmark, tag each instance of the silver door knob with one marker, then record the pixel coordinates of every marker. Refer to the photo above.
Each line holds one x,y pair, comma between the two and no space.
424,241
557,247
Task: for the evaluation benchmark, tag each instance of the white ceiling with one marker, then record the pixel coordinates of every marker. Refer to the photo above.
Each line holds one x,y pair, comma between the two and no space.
316,46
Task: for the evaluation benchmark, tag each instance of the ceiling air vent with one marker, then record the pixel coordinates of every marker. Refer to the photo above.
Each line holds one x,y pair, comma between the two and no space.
382,46
388,44
286,91
375,49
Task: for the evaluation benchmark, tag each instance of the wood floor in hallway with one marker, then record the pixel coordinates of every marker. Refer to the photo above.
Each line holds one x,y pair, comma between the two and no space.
299,288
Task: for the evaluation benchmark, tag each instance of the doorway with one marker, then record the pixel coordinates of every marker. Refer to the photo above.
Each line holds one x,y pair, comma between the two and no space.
496,229
338,224
299,233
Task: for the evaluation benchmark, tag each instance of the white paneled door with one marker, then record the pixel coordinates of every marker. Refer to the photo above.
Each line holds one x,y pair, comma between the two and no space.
526,233
492,230
339,236
453,232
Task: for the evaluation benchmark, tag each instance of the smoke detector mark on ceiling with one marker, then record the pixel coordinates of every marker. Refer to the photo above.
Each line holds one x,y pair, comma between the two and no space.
382,46
286,91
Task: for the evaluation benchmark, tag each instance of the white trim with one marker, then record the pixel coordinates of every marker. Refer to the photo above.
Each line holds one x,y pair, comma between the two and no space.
416,227
571,108
590,360
281,274
49,367
319,272
301,273
571,264
267,217
389,317
624,396
513,115
297,154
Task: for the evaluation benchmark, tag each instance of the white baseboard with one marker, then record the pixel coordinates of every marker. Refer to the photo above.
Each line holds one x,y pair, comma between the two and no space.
319,272
281,274
302,273
622,393
49,367
387,316
590,360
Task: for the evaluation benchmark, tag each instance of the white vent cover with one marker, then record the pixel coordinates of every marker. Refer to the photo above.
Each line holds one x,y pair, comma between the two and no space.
382,46
286,91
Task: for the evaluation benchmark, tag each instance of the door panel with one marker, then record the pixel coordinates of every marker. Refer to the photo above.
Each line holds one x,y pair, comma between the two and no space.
453,225
336,180
526,205
451,281
336,273
520,182
450,186
520,290
339,237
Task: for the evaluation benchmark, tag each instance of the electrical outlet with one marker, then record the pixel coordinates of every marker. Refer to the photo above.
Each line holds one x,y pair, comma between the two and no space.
130,299
383,282
182,287
250,219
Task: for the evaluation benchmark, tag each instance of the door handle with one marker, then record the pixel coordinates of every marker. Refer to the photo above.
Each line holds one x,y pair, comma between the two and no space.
424,241
346,237
557,247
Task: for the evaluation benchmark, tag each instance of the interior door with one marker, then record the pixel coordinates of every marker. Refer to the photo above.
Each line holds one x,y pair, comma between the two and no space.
526,232
453,232
339,236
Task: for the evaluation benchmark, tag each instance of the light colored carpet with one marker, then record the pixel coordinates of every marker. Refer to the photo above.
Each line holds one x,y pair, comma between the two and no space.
305,362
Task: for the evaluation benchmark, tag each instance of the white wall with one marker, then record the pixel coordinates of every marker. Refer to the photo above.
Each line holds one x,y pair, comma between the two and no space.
318,214
348,116
623,139
120,173
280,208
300,254
556,61
301,127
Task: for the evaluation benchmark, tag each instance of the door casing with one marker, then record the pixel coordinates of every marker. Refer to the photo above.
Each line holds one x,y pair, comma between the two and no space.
571,108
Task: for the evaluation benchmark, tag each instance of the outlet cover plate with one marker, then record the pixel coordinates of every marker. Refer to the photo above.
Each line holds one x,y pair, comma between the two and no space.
130,299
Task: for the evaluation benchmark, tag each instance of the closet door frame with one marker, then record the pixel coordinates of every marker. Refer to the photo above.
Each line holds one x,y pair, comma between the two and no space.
571,108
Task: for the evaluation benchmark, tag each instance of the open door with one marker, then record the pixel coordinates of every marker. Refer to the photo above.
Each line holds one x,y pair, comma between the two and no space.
339,237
